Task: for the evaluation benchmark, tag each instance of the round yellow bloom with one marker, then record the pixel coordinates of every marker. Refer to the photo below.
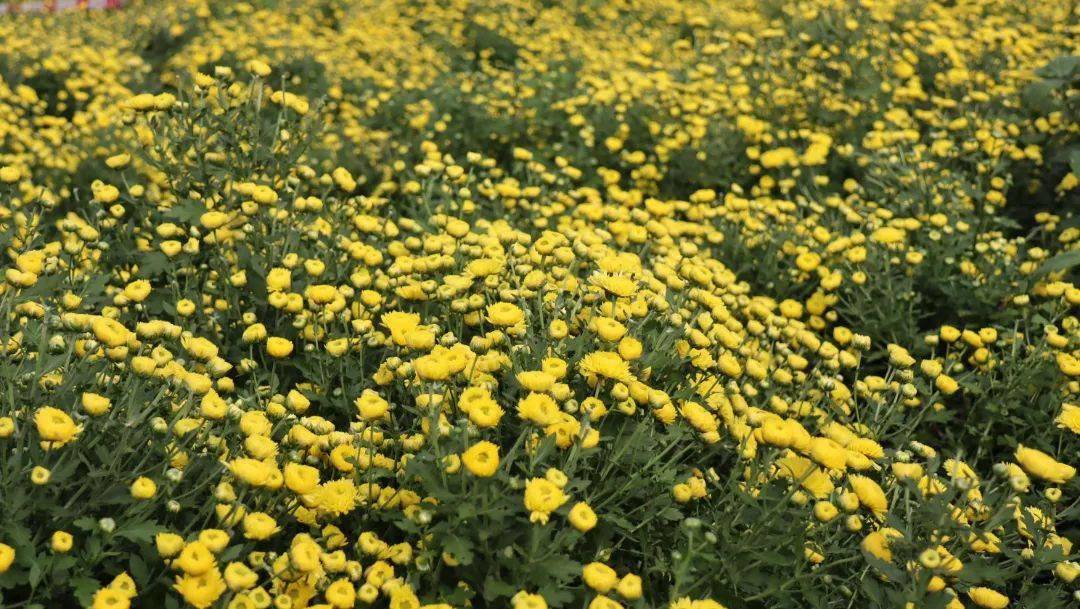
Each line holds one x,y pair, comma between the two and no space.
621,286
400,325
1042,465
259,68
301,479
105,193
9,174
124,584
483,411
372,406
524,600
55,425
168,544
877,543
538,408
629,587
341,594
1069,418
807,261
94,404
558,329
213,219
542,497
40,475
201,590
888,235
870,494
481,459
1067,571
304,554
582,517
61,542
336,497
946,384
599,577
930,558
7,556
195,559
825,511
609,329
432,367
143,488
504,314
118,161
215,540
107,598
630,348
606,364
251,471
278,347
259,525
987,598
239,576
343,179
535,380
137,291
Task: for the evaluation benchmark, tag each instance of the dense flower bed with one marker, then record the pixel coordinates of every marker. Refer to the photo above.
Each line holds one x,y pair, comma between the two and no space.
530,304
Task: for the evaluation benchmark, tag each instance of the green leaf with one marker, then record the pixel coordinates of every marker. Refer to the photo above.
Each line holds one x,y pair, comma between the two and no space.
141,573
1061,262
556,596
47,284
153,263
980,571
494,589
188,211
557,568
938,600
1064,67
461,549
671,513
34,578
143,531
1038,96
18,536
84,588
63,563
504,50
872,589
773,558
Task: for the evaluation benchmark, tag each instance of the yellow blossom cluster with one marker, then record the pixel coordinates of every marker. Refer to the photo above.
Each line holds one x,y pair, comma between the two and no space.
524,304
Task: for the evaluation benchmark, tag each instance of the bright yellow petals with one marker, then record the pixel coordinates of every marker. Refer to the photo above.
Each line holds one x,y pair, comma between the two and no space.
481,459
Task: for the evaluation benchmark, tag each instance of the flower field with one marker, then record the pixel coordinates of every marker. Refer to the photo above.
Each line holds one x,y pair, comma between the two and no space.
522,304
